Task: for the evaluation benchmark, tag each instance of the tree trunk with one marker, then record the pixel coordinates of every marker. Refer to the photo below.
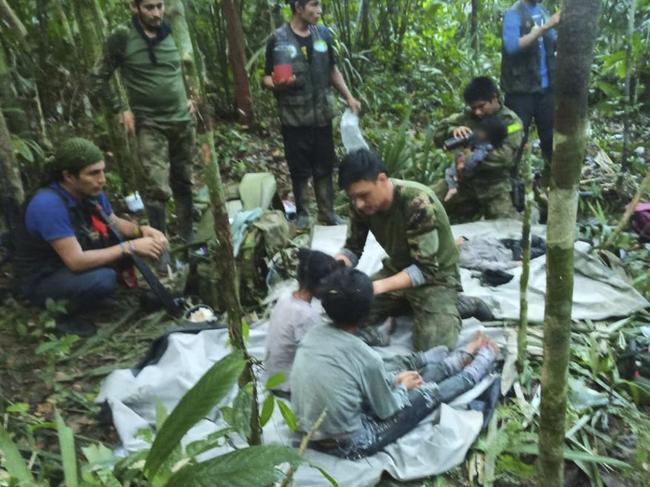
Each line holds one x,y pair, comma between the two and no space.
364,29
236,46
91,35
474,26
10,17
522,334
577,33
628,82
223,259
13,194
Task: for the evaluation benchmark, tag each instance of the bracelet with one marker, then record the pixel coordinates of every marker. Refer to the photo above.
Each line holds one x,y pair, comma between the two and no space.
138,231
123,248
131,247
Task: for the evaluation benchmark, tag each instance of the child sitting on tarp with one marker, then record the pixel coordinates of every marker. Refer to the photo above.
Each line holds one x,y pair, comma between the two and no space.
366,407
489,135
295,313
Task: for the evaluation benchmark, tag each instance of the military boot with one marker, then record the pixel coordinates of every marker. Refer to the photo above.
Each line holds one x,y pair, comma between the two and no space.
300,195
472,307
184,207
157,216
325,199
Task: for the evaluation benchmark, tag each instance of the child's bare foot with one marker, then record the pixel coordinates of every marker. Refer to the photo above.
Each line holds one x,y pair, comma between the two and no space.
478,342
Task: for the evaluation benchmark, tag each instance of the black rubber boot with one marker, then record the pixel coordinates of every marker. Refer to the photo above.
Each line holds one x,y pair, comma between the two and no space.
184,207
157,215
469,307
325,199
302,202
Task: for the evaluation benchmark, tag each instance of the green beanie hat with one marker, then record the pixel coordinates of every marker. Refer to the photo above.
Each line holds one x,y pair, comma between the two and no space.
75,154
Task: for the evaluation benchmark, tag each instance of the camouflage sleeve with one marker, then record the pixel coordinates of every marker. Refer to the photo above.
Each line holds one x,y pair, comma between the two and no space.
504,156
422,236
445,126
100,76
356,238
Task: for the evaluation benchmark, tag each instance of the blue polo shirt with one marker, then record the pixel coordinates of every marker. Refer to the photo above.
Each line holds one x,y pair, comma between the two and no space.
47,215
511,34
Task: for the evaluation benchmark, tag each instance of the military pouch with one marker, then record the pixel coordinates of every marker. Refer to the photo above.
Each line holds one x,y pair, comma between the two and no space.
518,193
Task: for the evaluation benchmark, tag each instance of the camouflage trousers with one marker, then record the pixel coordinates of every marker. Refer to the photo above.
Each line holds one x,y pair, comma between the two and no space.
434,310
477,199
165,153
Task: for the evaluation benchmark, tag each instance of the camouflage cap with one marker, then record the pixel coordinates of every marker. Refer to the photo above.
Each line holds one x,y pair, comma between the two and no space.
76,153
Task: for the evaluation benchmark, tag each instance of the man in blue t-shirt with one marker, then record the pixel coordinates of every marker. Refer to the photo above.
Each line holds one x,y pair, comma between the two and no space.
527,67
64,250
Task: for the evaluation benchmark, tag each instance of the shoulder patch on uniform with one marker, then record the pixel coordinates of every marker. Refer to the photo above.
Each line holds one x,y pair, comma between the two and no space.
514,127
421,213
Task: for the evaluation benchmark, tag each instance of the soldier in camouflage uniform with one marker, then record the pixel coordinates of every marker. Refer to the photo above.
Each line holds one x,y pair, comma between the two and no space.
420,274
487,192
150,65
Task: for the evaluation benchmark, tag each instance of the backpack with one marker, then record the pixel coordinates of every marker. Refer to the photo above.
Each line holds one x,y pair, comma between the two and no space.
641,220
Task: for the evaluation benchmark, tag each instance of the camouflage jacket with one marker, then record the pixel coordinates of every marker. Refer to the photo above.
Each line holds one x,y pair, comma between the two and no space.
499,163
414,231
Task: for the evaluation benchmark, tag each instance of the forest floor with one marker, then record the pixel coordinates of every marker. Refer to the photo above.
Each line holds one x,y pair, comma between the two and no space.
41,373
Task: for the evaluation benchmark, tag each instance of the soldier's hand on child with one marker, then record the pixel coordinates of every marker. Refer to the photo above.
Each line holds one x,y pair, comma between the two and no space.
128,120
461,131
409,379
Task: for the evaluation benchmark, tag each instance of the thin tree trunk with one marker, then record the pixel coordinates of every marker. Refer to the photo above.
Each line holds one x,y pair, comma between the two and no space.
628,82
223,259
13,194
476,5
365,24
629,211
522,334
235,34
10,17
577,33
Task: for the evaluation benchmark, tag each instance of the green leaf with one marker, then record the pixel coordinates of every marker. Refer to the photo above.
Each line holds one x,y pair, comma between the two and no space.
267,409
194,405
22,149
288,416
19,407
14,462
161,414
242,410
254,466
68,454
329,478
573,455
275,380
209,442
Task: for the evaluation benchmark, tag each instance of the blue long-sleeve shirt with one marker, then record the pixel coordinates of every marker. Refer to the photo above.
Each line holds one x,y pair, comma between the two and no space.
511,34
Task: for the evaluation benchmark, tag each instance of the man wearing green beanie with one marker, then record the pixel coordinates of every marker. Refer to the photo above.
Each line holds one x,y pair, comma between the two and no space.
63,248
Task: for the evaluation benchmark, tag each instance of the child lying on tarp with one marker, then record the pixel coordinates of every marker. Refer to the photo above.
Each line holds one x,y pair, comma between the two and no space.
366,406
294,314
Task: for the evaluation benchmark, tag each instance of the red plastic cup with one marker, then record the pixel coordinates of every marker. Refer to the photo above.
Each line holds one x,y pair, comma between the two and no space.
282,73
